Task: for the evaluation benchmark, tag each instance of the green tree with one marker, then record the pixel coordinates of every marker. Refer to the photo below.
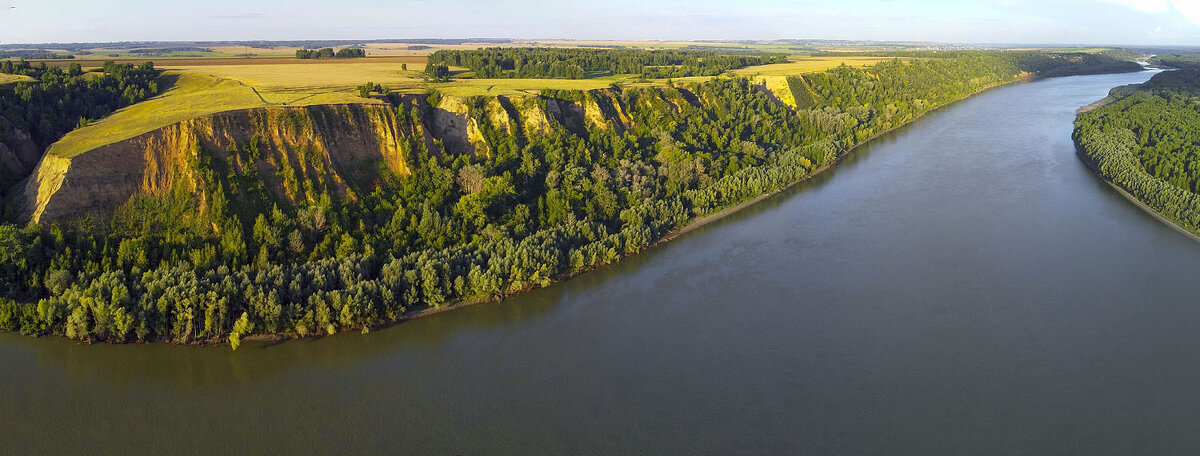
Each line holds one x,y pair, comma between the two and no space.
241,328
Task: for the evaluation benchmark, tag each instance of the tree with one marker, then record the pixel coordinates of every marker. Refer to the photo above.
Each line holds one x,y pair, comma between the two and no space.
58,280
470,179
241,327
438,71
12,246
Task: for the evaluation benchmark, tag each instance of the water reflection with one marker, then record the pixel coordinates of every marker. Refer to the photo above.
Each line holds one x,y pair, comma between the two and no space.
188,367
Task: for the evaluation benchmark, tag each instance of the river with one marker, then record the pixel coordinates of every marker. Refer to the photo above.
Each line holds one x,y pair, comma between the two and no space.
963,285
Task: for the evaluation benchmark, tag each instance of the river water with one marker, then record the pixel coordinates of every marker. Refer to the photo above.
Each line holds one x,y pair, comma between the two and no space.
961,286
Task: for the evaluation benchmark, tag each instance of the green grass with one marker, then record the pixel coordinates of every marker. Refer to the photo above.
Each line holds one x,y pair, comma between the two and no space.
190,95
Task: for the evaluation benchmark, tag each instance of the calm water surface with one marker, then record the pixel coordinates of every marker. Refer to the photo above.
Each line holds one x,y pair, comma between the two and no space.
962,286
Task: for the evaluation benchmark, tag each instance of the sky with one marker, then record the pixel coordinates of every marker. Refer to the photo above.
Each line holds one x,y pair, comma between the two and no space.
1115,22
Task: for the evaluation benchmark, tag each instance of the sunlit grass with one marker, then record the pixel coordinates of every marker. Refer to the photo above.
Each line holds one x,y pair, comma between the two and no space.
309,77
191,95
7,78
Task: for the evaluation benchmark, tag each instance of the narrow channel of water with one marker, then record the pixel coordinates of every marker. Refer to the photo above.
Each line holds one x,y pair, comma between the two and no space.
961,286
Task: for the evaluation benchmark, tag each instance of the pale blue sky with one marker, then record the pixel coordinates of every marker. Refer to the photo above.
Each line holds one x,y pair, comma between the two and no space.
1147,22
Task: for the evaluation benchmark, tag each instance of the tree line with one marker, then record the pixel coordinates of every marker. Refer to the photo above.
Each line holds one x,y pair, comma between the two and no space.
579,63
531,207
1186,61
329,53
34,55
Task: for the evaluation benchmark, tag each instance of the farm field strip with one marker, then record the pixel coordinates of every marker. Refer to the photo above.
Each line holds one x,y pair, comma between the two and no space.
808,65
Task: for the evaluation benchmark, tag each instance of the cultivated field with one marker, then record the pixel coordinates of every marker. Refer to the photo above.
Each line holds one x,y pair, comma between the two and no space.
808,65
291,81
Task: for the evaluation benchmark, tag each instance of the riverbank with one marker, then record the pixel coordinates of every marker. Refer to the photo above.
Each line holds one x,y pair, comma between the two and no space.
1124,165
685,227
1091,165
712,217
1097,104
691,225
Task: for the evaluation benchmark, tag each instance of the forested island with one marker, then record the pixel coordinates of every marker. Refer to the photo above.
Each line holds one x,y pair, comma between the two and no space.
257,237
1147,143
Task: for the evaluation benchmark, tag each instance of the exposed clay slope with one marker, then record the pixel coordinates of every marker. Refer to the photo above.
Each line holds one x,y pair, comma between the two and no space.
301,151
339,145
18,152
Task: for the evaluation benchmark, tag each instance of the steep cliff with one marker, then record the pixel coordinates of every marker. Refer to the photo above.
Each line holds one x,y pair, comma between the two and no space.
339,146
19,153
297,153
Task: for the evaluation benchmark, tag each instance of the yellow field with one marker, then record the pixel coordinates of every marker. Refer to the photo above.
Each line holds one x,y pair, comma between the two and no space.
289,83
808,65
7,78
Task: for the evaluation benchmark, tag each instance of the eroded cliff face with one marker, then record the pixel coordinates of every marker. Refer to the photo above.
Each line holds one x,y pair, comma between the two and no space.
341,145
300,152
19,153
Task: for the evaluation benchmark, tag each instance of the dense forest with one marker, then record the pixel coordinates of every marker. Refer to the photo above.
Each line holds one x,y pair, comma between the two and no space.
458,227
579,63
59,100
328,53
1149,144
